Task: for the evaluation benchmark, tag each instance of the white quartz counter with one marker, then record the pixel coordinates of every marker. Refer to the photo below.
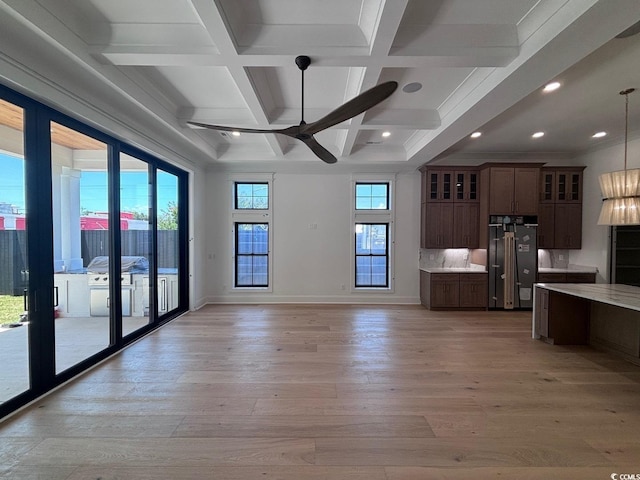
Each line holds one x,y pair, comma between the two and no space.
568,270
625,296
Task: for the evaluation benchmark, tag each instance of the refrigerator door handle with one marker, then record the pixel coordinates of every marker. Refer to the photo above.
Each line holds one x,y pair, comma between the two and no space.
509,284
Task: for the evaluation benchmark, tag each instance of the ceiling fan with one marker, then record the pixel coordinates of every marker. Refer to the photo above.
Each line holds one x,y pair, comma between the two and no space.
305,131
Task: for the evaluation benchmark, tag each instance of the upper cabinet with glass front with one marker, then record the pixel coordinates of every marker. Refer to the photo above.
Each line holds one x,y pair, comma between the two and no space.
466,186
452,185
561,185
569,185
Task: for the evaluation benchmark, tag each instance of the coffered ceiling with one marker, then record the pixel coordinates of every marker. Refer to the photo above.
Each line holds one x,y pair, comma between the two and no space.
231,62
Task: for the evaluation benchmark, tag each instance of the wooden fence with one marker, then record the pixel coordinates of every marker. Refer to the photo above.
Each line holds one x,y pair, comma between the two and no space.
13,252
13,262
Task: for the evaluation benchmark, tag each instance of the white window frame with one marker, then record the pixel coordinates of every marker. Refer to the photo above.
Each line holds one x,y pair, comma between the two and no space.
373,216
250,216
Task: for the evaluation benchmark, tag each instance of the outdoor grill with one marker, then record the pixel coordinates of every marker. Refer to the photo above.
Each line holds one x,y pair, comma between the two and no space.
98,280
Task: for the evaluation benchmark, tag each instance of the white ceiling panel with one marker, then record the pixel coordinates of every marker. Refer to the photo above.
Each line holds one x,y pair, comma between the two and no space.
437,85
480,64
138,11
210,87
465,12
295,12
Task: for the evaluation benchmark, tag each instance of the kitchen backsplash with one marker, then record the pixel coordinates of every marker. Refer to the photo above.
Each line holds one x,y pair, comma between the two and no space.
451,258
465,258
553,258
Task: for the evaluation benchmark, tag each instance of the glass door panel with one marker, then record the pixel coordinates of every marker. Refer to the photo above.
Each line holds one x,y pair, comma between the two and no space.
80,245
168,257
14,325
135,243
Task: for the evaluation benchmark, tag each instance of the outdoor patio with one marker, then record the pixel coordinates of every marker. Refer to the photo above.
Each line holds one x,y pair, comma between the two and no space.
76,339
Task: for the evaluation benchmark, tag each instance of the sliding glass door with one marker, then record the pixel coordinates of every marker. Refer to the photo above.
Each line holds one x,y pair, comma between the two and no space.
135,241
14,267
79,167
168,242
93,247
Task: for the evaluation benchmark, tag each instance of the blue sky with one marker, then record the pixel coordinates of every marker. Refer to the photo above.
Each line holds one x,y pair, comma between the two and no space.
93,188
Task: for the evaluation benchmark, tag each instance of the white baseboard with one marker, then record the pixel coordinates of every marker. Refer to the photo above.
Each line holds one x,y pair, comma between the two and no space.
318,299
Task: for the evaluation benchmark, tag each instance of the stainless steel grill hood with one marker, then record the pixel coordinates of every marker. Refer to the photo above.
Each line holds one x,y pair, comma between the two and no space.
130,264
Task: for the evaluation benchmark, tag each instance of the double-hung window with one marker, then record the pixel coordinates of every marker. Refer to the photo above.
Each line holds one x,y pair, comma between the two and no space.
372,216
252,254
372,255
251,226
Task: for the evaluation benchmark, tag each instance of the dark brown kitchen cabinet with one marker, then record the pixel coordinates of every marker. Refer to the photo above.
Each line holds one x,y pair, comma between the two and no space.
438,226
569,185
473,290
449,209
561,184
561,319
547,185
453,291
445,290
466,186
560,208
513,190
566,277
466,229
546,225
568,225
423,224
551,277
451,185
439,185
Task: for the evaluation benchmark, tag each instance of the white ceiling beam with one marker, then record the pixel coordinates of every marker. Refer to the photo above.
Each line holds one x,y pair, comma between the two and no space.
210,13
398,119
436,40
384,31
147,55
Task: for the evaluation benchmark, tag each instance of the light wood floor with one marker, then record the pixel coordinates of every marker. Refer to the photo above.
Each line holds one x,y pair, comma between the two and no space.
336,392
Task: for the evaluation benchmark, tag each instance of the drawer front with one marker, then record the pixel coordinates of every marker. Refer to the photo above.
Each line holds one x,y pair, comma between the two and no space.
552,277
581,277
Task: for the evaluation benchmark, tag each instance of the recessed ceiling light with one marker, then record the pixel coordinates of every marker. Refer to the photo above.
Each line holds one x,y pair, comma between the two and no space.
412,87
386,134
599,135
476,134
235,134
538,135
550,87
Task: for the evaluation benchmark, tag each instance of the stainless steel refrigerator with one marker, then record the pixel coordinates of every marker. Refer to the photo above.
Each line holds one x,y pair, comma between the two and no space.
513,261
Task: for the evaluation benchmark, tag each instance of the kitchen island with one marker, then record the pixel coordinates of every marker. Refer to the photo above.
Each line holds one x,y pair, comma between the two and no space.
606,316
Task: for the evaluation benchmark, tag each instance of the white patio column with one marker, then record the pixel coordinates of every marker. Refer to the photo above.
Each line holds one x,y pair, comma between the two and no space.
70,218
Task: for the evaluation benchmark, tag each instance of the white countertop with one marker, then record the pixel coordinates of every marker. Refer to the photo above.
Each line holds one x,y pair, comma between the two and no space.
452,270
568,270
625,296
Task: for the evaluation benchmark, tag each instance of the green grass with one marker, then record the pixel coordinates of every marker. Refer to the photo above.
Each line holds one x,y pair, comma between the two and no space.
10,309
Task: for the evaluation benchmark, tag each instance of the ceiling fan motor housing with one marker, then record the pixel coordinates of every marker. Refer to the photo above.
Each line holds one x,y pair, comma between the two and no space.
302,61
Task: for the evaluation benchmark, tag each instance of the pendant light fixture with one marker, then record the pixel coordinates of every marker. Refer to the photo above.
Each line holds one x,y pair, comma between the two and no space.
621,189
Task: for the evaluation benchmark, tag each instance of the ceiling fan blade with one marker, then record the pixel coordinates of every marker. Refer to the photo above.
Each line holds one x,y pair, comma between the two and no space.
321,152
353,107
284,131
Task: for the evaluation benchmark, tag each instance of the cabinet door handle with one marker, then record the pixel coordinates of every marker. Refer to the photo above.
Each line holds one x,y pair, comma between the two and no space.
517,207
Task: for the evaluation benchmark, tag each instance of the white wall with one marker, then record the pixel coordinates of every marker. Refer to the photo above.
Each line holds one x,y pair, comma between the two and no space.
197,238
595,238
311,265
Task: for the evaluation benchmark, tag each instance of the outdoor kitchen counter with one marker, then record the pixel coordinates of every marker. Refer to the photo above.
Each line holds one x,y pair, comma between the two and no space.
74,291
603,315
